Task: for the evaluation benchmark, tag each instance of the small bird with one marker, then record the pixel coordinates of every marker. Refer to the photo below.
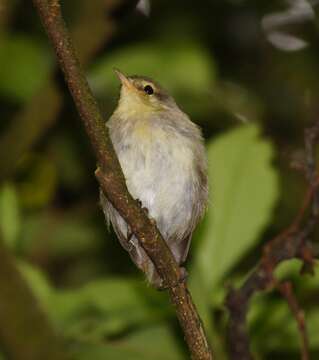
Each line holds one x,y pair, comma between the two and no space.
162,155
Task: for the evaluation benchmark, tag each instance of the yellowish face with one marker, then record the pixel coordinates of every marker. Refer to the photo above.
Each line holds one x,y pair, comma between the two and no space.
140,95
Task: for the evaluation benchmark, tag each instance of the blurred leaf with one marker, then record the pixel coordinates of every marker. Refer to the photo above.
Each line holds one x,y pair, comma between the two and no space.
243,191
154,343
290,270
167,63
71,168
103,307
10,221
38,282
24,66
38,186
60,233
144,6
279,331
299,11
160,61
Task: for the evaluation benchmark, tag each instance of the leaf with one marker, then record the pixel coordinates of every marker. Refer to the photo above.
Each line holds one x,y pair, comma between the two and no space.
9,215
104,307
156,343
101,308
24,66
243,191
279,331
60,233
38,187
166,63
38,282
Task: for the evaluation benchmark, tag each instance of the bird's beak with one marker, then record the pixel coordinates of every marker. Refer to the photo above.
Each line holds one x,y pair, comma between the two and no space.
123,79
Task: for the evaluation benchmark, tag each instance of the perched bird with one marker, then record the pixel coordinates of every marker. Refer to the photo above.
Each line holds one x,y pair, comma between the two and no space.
162,156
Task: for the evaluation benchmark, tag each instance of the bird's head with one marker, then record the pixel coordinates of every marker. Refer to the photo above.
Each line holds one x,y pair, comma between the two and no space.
142,94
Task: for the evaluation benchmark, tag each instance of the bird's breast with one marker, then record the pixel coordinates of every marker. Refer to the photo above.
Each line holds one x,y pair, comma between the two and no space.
158,165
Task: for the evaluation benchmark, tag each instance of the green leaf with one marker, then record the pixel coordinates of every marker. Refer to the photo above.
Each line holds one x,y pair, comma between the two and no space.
104,307
38,283
9,215
101,308
24,66
38,187
156,343
243,191
166,63
70,233
280,330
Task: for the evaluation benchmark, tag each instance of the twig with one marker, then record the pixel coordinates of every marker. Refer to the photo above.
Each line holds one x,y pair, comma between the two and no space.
290,243
112,181
285,289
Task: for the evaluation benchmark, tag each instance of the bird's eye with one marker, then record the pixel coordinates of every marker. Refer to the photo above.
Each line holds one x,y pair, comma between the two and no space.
148,89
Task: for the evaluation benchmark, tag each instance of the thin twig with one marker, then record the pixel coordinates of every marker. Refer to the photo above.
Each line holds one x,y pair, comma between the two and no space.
286,290
293,242
112,182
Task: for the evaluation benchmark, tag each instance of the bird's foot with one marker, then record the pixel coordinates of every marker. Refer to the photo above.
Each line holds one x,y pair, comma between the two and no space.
140,204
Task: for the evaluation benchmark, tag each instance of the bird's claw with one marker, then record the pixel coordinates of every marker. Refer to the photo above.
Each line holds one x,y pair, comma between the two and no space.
140,204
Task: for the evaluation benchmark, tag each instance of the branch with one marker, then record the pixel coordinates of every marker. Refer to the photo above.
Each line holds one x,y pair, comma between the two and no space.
286,290
290,243
112,181
25,331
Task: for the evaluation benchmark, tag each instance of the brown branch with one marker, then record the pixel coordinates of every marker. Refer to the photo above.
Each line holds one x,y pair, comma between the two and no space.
25,332
286,290
290,243
112,180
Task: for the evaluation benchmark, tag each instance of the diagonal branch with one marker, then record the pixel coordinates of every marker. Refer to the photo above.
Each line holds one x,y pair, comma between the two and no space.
112,181
291,243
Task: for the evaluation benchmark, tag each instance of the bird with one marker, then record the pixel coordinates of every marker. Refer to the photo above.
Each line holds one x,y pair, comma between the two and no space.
162,156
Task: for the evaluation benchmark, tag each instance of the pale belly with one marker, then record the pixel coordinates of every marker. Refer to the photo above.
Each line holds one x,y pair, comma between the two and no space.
163,179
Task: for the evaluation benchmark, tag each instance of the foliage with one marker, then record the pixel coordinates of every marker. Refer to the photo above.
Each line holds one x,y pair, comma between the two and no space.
24,66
